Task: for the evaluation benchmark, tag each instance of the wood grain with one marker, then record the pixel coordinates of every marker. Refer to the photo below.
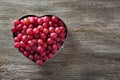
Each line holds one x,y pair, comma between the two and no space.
90,52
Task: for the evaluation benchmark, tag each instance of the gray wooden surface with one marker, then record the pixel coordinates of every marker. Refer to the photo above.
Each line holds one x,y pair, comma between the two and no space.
92,48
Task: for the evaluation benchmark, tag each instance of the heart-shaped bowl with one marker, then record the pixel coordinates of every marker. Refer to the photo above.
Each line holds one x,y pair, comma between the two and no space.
26,16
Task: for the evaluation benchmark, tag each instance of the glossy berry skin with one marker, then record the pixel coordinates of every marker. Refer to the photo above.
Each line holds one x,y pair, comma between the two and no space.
26,21
29,31
53,35
39,62
40,41
40,28
50,41
45,30
58,30
46,19
40,49
16,44
51,29
30,43
13,29
35,30
54,19
16,22
32,19
40,21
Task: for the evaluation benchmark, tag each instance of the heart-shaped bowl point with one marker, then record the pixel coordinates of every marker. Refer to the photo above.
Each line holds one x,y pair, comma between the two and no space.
39,37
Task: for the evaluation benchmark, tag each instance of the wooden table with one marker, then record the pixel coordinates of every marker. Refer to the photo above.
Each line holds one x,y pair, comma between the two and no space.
90,52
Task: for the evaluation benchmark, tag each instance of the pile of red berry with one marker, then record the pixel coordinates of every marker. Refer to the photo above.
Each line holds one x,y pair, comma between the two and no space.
38,38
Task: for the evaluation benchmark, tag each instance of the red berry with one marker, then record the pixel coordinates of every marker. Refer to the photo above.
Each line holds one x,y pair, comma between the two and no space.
25,39
22,44
20,27
30,37
32,19
16,44
21,49
28,48
31,57
34,47
43,36
50,41
35,30
53,35
39,62
40,41
20,35
26,53
34,41
26,21
44,45
40,21
62,28
61,23
54,19
30,43
45,30
54,47
50,55
16,39
31,26
58,30
45,25
16,22
40,49
13,29
51,24
29,31
24,27
36,57
46,19
51,29
40,27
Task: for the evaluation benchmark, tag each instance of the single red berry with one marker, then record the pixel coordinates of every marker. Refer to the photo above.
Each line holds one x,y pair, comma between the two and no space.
44,45
50,41
21,49
16,22
31,57
43,36
16,39
54,47
40,28
20,35
54,19
20,27
30,37
40,41
53,35
51,29
62,28
45,30
24,27
26,21
16,44
31,26
22,44
13,29
32,19
34,47
40,49
30,43
26,53
29,31
51,24
34,41
40,21
46,19
58,30
39,62
28,48
45,25
25,38
35,30
50,55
